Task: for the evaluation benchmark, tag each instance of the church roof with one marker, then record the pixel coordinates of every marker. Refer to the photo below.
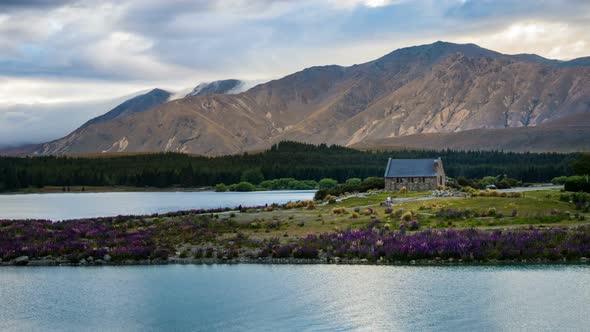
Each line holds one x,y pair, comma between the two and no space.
411,167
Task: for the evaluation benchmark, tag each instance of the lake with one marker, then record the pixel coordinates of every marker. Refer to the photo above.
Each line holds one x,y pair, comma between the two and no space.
60,206
295,297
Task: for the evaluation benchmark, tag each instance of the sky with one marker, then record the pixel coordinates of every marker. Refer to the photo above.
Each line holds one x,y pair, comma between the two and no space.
63,62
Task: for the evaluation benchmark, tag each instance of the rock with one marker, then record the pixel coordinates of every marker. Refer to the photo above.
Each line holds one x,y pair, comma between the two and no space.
583,259
90,258
107,258
99,261
43,262
83,261
336,259
412,262
21,260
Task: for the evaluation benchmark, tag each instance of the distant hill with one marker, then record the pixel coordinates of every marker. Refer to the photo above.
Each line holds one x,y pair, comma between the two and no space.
436,95
134,105
531,139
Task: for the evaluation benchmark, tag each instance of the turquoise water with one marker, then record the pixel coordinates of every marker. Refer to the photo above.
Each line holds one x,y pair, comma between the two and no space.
295,298
62,206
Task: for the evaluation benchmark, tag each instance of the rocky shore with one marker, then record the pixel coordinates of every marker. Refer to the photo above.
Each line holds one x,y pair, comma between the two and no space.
106,261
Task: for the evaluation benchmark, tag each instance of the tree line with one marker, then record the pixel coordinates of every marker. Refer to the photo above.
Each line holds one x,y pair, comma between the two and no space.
284,160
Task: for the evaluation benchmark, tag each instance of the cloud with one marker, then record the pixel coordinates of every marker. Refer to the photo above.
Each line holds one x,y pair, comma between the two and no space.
41,122
69,52
6,5
553,40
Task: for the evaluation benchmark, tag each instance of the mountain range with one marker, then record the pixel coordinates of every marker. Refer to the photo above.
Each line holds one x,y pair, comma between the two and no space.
440,95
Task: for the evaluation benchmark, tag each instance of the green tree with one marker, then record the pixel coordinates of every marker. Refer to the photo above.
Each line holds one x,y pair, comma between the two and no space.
581,166
253,175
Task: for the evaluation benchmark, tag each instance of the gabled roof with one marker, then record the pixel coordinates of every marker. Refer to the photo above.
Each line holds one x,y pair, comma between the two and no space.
411,167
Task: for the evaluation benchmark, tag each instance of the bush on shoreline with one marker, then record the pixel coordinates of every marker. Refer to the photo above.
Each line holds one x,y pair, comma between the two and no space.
578,183
369,183
467,245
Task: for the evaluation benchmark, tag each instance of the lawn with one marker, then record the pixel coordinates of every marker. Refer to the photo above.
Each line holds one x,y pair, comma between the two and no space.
542,208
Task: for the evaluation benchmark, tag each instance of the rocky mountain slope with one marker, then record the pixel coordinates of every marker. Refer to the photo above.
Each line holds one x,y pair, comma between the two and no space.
440,88
134,105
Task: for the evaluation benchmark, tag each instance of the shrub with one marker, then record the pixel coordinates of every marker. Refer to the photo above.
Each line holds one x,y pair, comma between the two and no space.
491,212
282,183
242,187
560,180
305,252
339,210
327,183
578,183
321,194
407,216
331,199
374,182
470,190
354,181
282,252
368,184
301,185
220,187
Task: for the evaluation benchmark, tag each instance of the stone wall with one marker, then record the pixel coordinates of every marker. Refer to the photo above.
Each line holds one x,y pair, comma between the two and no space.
391,184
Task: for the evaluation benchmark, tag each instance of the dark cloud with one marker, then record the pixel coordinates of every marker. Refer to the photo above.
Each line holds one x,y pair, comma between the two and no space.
225,36
11,5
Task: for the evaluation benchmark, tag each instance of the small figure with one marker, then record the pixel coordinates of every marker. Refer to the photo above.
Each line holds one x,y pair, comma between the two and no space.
388,201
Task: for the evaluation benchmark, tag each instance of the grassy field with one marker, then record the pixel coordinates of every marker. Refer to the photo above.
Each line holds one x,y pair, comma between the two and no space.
540,208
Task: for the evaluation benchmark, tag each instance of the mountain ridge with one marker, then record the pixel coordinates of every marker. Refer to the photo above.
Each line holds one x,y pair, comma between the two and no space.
427,89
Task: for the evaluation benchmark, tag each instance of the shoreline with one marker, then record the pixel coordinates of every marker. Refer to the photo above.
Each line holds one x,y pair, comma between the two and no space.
306,232
98,189
296,261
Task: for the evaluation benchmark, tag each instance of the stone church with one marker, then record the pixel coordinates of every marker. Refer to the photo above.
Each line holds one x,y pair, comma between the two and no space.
414,174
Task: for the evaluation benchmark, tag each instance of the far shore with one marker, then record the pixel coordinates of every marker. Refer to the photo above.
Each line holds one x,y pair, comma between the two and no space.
107,189
102,189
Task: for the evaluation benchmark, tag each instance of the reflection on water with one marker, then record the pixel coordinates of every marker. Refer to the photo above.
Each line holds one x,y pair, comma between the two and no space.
288,297
62,206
